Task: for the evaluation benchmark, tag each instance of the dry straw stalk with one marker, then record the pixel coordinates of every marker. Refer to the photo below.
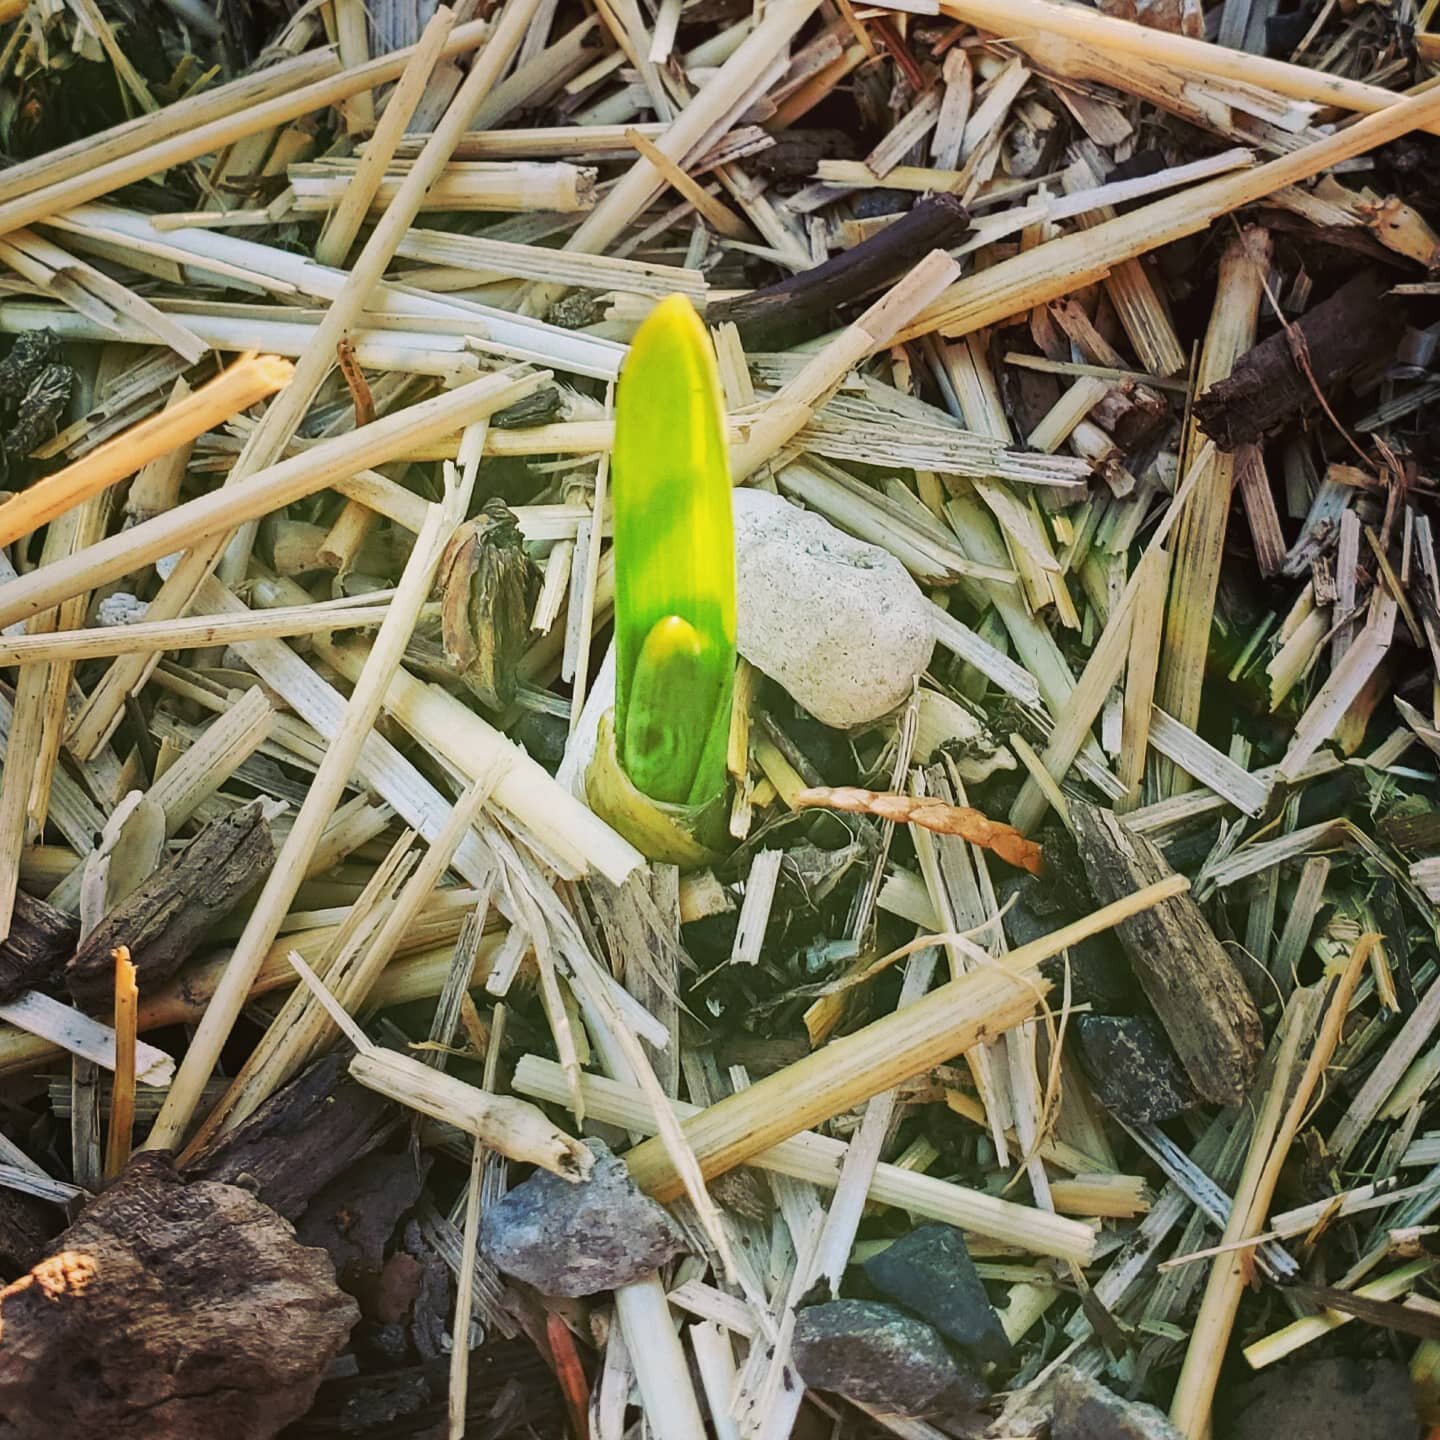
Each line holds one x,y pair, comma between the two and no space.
1017,18
1200,535
122,1102
240,96
165,147
818,1158
334,773
1060,266
231,392
278,485
1275,1131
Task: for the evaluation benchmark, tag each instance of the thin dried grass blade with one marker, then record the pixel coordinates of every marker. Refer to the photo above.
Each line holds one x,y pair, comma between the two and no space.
945,819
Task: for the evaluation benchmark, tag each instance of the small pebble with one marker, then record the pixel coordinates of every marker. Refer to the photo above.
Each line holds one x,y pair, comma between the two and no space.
837,623
121,608
1086,1410
576,1239
878,1354
930,1272
1133,1068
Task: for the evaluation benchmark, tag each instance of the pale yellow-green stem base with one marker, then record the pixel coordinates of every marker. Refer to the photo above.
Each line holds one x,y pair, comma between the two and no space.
684,835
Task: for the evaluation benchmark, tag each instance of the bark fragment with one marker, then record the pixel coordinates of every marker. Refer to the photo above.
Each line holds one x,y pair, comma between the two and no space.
163,921
169,1311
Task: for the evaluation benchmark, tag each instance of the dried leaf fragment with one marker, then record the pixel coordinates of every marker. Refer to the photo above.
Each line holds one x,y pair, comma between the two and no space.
356,383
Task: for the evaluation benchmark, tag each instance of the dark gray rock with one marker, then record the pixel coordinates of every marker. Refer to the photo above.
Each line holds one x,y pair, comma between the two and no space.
577,1239
1086,1410
1100,974
878,1354
930,1272
1342,1398
1133,1068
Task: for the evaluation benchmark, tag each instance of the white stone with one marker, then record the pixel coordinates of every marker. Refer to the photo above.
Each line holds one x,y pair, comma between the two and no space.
838,623
121,608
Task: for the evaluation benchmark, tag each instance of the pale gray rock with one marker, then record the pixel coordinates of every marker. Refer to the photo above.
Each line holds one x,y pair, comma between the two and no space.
578,1239
838,623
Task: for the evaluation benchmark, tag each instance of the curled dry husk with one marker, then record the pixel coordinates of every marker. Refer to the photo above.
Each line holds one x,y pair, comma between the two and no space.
488,586
683,835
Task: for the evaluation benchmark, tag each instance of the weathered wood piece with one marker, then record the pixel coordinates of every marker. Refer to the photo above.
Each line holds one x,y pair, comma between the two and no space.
782,314
301,1138
146,1318
26,1226
1187,975
1133,413
32,954
165,918
1277,381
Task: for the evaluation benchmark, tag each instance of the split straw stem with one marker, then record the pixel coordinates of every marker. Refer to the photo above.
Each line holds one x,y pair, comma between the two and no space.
1275,1132
1019,19
236,97
278,485
709,111
206,139
182,1001
270,439
819,1158
192,632
344,221
334,773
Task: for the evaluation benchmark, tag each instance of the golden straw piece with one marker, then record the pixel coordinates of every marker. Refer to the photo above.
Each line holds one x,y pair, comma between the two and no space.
122,1103
1190,1408
234,390
244,94
132,154
269,489
1061,266
515,1128
344,221
700,121
720,219
331,777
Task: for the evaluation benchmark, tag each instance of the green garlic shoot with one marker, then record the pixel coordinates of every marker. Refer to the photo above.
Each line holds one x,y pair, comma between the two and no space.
674,561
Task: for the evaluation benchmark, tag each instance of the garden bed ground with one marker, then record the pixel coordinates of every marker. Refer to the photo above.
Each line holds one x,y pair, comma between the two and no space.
1050,1045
